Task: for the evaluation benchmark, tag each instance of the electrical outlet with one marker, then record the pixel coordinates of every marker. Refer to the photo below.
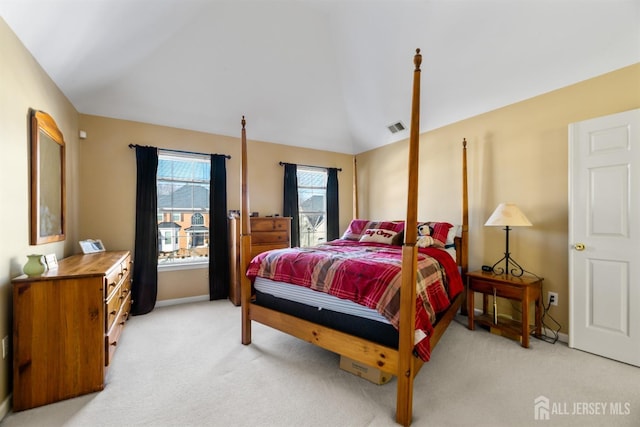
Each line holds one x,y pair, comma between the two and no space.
5,347
552,298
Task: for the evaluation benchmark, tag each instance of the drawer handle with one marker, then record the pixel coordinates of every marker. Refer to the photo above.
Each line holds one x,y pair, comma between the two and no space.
113,285
115,343
113,313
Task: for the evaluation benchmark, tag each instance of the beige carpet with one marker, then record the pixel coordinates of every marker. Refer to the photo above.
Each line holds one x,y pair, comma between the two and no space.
184,365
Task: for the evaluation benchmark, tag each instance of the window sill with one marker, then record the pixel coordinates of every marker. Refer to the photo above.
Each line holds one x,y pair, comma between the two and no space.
174,266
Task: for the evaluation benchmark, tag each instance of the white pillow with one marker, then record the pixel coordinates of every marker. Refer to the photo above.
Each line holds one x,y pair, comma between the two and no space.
453,232
378,235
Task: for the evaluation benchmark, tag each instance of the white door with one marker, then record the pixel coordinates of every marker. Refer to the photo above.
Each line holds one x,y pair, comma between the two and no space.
604,236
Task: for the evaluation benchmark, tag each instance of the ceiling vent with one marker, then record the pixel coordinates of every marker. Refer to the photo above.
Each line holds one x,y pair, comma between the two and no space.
396,127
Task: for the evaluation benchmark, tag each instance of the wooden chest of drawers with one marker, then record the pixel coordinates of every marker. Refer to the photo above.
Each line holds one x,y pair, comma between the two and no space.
267,233
66,326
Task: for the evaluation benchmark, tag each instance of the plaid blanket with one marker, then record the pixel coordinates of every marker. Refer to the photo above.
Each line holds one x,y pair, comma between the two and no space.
368,274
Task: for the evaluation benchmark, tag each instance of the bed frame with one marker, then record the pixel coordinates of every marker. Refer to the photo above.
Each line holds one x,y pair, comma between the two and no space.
400,362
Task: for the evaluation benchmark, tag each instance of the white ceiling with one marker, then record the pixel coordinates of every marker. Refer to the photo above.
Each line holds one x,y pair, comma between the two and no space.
325,74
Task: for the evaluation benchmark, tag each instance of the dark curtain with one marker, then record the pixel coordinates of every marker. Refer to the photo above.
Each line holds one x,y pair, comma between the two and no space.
333,213
290,207
218,230
144,289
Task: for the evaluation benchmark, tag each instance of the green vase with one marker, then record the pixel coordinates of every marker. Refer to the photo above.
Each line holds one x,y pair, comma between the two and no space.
34,267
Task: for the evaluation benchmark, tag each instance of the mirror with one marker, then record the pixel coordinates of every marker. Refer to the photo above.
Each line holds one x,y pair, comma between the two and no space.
47,180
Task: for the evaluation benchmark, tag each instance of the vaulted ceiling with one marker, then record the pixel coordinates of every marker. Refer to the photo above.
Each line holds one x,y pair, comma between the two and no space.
326,74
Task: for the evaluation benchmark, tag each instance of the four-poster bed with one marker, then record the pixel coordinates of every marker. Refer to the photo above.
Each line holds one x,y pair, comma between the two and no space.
404,359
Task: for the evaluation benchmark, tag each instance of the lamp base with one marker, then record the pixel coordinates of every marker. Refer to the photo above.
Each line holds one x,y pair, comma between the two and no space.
516,270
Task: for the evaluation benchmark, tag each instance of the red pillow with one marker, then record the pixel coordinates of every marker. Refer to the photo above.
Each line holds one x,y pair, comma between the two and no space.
439,231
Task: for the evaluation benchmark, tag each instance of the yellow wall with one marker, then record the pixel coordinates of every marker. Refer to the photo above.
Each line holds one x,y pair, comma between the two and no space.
518,153
24,85
101,178
107,189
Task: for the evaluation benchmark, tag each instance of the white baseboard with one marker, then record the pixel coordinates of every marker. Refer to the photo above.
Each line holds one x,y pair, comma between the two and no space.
186,300
562,337
5,407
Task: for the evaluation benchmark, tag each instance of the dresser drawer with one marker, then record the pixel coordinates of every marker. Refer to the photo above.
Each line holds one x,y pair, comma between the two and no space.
483,286
501,290
112,282
126,290
111,340
117,300
116,276
114,303
270,237
269,224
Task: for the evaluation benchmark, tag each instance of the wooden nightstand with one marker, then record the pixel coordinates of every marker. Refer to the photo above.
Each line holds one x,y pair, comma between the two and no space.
526,289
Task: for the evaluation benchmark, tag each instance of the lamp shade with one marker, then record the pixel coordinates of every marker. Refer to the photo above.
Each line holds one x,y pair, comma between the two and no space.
508,214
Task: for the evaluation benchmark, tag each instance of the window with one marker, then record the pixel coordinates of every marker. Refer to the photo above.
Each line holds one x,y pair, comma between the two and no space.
312,205
183,208
197,233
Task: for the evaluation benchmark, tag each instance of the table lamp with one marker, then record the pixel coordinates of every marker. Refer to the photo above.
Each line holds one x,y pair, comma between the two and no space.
508,215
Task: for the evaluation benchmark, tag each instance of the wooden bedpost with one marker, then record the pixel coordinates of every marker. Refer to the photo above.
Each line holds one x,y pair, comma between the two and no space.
245,244
464,262
404,402
355,188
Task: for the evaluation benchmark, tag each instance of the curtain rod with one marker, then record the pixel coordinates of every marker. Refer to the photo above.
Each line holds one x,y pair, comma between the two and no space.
182,151
311,166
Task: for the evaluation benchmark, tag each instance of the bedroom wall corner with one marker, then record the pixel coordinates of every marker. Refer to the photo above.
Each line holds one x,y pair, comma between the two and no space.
517,153
24,85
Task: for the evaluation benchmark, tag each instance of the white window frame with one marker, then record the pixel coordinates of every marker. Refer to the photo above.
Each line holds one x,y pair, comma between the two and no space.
321,190
167,263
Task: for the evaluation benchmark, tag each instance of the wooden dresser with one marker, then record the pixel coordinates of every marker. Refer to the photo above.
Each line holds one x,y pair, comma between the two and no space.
266,233
66,326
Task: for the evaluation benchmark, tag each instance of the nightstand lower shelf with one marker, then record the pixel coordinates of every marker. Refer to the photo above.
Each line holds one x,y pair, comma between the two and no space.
510,328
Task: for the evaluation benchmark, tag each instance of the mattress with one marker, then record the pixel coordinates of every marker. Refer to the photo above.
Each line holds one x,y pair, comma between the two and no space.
318,300
379,331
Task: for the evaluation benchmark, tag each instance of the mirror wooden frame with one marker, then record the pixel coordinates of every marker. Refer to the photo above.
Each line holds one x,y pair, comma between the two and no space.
47,180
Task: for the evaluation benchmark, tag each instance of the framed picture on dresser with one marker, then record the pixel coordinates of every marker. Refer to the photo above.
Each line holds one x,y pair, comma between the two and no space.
91,246
51,261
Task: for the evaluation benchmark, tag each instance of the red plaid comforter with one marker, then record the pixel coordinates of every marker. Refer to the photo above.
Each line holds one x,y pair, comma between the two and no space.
368,274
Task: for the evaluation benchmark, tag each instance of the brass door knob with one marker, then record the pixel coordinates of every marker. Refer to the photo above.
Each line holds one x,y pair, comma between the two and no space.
579,246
